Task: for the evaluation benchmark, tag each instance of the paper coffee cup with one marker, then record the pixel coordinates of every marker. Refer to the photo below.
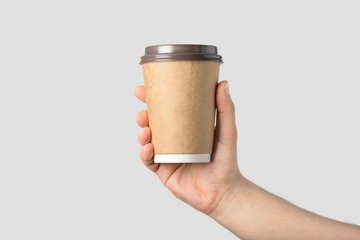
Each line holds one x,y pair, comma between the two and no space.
180,84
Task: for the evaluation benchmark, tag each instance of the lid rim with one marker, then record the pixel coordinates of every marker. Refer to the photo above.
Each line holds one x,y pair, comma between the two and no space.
173,60
174,52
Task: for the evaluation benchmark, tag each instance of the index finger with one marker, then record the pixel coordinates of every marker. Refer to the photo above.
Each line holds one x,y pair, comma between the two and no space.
140,93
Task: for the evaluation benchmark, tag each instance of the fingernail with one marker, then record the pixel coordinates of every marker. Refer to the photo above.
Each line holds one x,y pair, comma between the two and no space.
146,148
140,134
227,93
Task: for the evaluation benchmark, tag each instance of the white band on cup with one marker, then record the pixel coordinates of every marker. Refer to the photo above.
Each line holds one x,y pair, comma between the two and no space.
182,158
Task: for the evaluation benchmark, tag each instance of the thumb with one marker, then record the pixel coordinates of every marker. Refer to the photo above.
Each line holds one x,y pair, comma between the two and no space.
226,132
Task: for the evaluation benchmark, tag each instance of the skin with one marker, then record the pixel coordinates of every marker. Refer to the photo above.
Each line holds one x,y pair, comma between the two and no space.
219,190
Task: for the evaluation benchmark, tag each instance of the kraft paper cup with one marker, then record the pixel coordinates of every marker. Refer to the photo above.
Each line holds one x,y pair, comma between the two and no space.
180,84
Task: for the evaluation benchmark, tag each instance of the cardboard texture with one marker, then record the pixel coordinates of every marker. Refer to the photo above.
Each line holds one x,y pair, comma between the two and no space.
180,97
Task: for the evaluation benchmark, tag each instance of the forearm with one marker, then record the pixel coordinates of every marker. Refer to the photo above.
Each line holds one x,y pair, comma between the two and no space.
250,212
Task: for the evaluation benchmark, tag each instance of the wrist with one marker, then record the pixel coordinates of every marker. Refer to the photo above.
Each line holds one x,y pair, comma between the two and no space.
236,209
231,198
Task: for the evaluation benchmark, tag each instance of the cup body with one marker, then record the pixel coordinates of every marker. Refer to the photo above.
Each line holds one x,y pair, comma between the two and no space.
180,97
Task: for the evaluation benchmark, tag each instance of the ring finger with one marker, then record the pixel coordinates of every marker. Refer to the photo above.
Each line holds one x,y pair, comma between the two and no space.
144,136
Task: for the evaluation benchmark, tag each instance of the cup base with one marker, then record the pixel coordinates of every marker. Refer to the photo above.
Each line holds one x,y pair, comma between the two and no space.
182,158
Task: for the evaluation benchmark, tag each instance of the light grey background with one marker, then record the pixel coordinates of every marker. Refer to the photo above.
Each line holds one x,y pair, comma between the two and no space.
69,165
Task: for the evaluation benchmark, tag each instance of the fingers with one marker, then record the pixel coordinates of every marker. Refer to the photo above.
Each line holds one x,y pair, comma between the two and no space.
147,157
225,122
147,151
142,119
140,93
144,136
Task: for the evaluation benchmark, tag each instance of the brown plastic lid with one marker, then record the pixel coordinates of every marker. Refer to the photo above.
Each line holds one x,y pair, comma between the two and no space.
176,52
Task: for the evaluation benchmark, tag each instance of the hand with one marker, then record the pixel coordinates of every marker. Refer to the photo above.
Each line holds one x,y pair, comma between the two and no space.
201,185
219,190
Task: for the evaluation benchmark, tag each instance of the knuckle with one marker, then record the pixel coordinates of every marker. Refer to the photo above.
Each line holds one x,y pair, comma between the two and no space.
232,107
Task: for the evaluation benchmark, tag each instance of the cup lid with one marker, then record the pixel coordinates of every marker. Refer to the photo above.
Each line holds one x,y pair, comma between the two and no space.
176,52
